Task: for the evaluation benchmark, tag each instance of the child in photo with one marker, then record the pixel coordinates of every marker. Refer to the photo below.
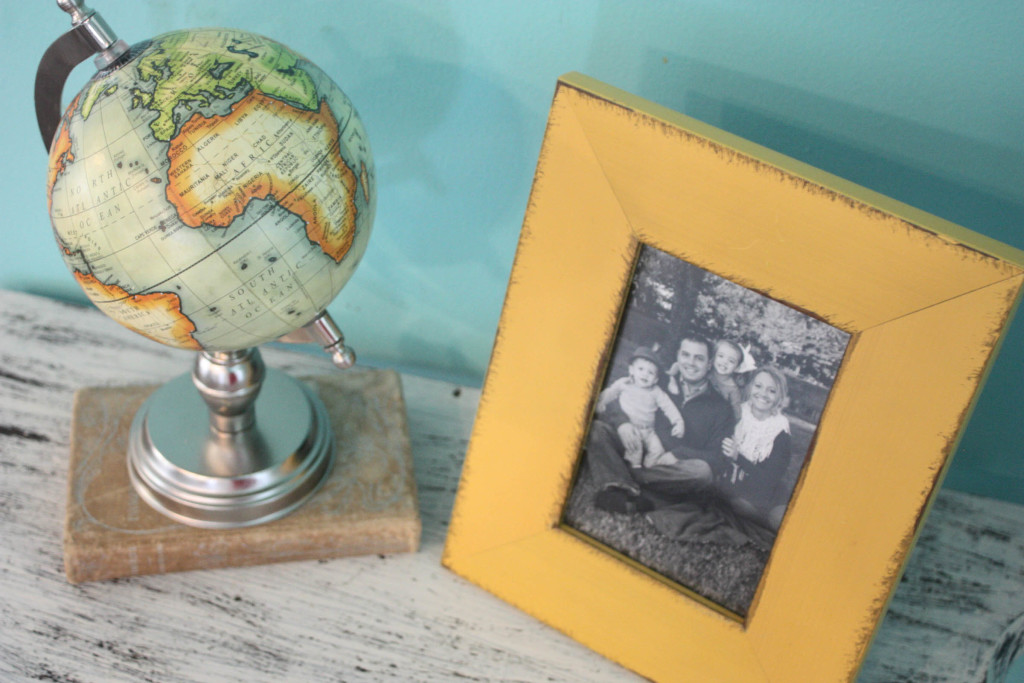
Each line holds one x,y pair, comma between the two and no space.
726,359
640,398
724,368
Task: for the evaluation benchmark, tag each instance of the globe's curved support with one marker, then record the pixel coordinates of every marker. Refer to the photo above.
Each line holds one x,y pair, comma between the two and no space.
90,35
249,447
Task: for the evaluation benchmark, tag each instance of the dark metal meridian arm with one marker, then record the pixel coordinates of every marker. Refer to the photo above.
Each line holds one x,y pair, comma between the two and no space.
67,52
90,35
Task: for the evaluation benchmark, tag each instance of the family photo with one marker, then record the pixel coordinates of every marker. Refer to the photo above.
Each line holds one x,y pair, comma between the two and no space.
702,425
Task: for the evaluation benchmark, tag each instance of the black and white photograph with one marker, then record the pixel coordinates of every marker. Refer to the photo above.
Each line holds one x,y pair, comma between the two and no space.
702,424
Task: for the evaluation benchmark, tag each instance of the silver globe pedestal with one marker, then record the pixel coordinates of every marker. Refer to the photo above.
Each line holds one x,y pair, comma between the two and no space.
232,444
261,450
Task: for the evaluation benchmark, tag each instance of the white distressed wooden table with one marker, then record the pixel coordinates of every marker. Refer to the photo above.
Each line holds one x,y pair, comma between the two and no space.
401,617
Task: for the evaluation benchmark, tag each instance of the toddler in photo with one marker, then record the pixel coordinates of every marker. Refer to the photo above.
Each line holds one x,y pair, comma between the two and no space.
724,367
640,399
727,360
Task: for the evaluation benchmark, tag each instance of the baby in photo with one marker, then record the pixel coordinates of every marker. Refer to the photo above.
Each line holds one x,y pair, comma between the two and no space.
640,398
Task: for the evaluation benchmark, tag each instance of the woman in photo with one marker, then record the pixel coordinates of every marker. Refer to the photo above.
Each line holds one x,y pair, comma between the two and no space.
760,450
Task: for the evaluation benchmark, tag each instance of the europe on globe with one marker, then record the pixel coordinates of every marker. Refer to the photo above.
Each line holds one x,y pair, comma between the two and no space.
211,190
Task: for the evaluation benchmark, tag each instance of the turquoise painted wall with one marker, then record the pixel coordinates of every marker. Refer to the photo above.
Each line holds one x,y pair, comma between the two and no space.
918,100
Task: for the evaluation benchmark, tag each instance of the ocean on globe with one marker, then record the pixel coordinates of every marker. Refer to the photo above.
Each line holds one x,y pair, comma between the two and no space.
212,190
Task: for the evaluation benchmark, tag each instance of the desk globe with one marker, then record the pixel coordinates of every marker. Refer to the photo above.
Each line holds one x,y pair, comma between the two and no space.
213,190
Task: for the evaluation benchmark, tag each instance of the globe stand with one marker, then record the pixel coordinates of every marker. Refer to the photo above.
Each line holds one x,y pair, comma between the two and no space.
250,446
232,444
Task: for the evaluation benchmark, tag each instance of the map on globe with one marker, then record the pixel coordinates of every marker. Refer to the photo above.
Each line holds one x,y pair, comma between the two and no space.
213,191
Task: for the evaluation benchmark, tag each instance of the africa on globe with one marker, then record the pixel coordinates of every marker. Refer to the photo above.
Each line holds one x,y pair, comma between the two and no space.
211,190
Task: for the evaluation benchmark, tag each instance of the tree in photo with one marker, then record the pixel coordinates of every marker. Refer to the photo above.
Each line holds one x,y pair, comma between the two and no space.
806,347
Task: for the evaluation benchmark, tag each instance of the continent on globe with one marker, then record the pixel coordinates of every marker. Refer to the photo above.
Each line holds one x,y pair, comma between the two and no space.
212,189
190,66
267,166
157,316
60,154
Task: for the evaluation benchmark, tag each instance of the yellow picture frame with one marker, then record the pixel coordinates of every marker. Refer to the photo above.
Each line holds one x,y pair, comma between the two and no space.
925,302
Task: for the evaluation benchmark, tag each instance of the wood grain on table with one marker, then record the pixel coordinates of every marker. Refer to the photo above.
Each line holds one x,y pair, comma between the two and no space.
399,617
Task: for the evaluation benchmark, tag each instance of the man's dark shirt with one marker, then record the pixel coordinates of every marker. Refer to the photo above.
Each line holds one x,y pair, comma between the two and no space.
708,418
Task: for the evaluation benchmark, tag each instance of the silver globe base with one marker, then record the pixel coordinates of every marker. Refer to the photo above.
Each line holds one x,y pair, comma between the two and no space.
232,444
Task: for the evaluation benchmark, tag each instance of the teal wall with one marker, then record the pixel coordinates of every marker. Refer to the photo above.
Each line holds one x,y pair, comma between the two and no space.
920,100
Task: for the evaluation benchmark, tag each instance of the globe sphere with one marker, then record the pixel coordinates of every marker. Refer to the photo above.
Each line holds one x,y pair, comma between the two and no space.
211,190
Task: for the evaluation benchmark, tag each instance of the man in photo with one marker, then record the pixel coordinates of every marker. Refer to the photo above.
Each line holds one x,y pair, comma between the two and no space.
689,464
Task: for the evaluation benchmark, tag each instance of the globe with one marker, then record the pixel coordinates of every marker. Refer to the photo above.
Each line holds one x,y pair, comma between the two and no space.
211,190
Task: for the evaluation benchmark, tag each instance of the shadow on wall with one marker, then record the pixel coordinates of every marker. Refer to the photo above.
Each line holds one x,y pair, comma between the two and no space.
454,164
445,361
465,178
449,212
969,182
448,140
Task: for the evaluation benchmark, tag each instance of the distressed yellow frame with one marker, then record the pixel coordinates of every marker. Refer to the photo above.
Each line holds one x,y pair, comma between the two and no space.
925,301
